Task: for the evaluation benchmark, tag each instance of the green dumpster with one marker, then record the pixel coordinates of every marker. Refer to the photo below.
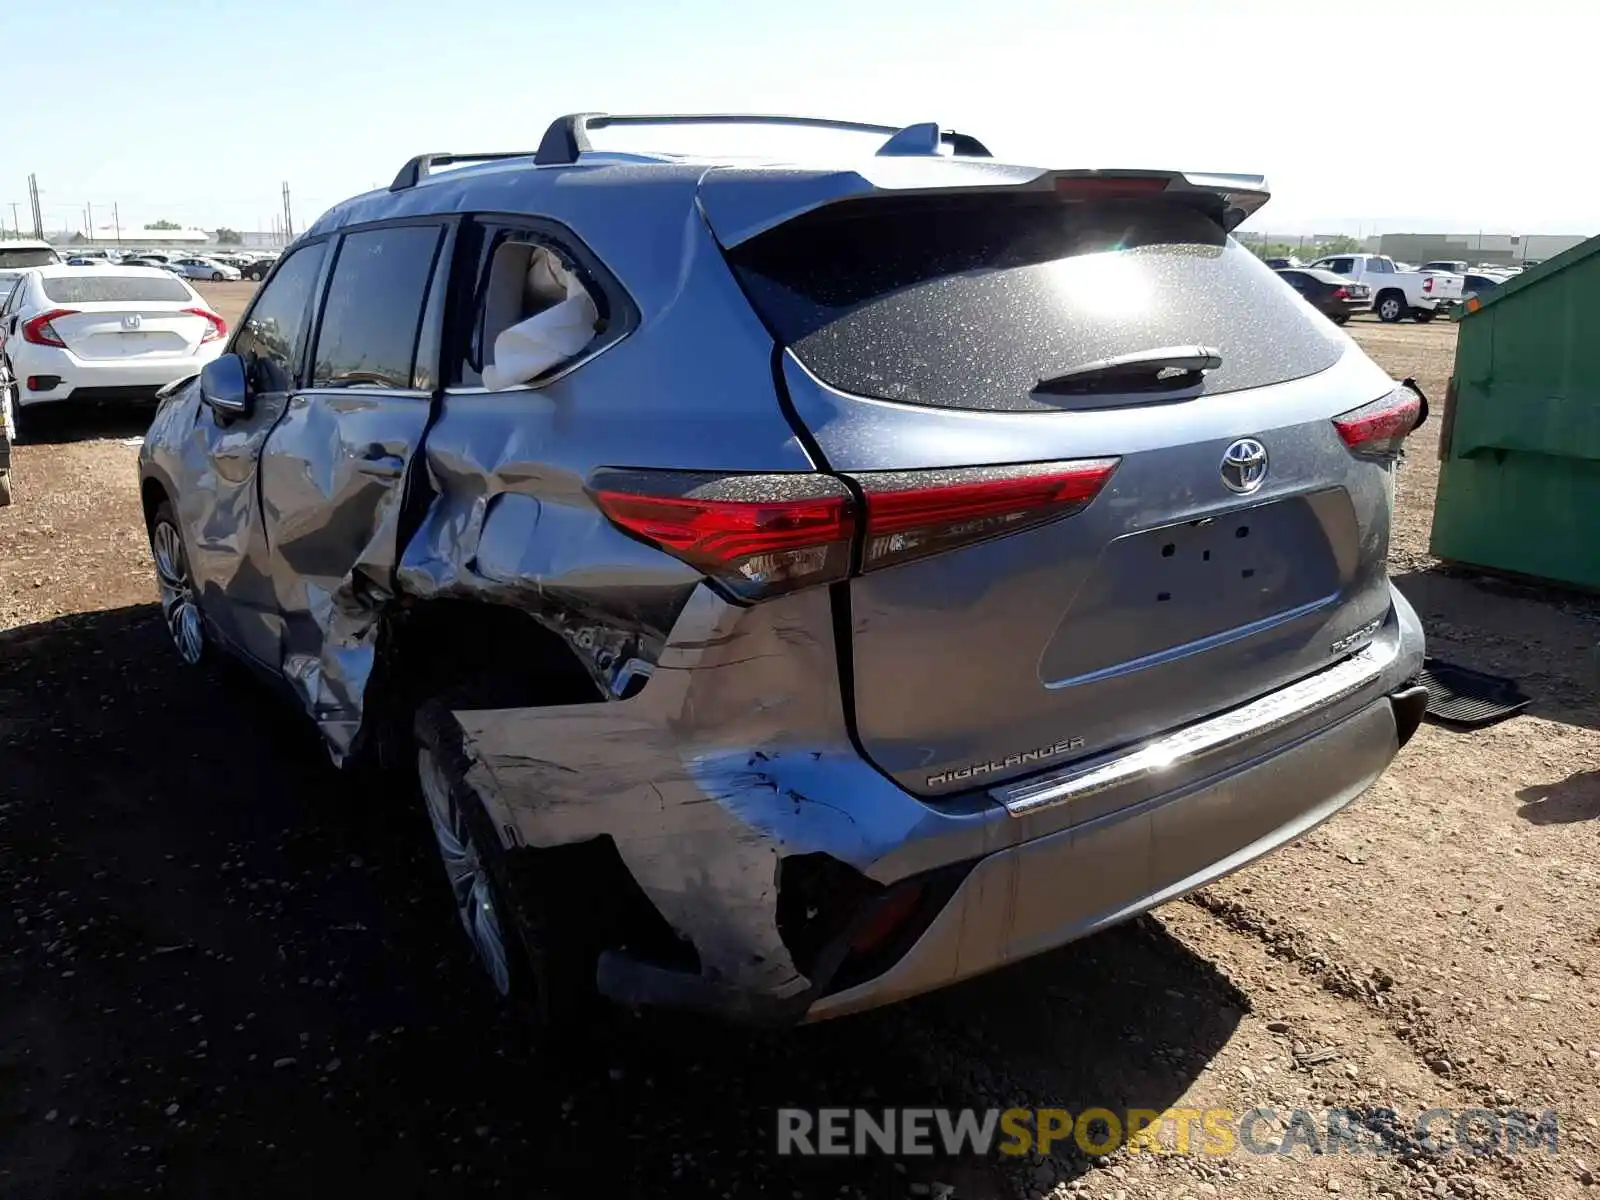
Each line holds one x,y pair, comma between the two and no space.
1519,444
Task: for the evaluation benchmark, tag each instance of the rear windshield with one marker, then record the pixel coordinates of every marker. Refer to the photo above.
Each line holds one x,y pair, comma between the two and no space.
37,257
972,304
87,289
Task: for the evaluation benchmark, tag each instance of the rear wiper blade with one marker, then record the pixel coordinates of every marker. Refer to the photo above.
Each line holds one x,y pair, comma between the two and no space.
1159,369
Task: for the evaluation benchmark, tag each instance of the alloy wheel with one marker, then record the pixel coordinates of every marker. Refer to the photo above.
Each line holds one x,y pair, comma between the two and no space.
178,605
470,882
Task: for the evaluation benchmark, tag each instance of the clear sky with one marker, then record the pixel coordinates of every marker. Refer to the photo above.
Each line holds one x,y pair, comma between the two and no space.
1396,115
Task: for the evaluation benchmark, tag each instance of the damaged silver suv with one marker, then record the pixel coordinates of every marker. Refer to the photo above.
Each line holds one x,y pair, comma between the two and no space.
801,587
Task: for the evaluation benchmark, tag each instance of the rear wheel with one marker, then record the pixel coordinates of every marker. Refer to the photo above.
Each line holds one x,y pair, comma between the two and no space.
10,410
216,277
180,606
1422,315
5,487
1391,306
515,906
1341,319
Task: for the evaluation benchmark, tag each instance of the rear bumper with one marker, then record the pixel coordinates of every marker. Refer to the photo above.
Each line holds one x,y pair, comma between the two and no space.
110,380
1054,889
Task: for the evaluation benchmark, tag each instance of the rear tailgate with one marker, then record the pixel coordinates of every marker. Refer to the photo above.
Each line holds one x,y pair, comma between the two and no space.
104,331
918,330
1444,288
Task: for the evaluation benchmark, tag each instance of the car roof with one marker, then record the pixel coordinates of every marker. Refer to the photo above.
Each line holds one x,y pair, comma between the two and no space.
64,271
908,160
1317,273
27,244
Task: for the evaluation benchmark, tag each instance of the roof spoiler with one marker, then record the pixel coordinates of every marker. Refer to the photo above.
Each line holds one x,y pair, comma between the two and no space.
741,204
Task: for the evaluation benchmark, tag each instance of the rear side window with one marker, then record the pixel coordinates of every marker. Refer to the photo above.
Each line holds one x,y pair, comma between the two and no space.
91,289
32,257
269,339
973,304
374,308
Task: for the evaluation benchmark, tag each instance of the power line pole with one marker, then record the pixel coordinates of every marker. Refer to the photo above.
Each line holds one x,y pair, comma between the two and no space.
88,207
288,215
16,221
33,202
116,223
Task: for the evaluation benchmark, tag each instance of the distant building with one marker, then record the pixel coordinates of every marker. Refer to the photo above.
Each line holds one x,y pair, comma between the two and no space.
108,237
1498,249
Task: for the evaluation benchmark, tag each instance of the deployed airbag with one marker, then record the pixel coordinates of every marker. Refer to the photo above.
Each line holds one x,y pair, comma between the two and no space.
563,323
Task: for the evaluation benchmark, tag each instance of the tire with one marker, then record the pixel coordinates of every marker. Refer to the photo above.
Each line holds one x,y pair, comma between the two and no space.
5,488
10,410
1391,307
509,906
1341,319
180,605
1422,315
216,277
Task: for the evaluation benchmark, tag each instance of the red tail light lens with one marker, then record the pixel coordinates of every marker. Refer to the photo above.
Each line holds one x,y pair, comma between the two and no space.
1378,429
1341,293
912,514
1427,284
219,327
757,535
763,535
39,331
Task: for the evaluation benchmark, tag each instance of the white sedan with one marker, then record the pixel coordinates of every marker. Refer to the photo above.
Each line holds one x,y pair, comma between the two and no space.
205,268
119,334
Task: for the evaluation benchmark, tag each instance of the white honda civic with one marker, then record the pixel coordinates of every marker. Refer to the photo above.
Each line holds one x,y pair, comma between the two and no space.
118,334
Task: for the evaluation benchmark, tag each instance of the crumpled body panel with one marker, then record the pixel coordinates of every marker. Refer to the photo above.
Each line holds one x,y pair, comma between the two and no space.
721,767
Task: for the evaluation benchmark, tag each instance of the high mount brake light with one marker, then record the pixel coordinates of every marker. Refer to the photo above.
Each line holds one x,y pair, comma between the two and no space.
40,332
1377,430
763,535
1108,187
912,514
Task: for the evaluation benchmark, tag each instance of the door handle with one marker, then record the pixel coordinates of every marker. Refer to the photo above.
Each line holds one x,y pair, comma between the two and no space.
380,464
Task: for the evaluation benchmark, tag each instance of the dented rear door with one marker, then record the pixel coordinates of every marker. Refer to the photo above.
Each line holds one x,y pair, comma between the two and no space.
335,468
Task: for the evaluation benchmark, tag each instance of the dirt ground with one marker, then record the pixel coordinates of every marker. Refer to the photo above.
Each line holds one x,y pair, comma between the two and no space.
223,973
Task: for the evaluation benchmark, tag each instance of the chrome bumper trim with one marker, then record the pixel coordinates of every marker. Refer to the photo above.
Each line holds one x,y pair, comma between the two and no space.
1253,720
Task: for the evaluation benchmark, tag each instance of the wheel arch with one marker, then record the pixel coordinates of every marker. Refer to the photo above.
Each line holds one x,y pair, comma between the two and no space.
153,489
498,654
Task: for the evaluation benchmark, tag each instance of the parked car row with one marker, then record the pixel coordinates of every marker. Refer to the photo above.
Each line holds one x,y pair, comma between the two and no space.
110,334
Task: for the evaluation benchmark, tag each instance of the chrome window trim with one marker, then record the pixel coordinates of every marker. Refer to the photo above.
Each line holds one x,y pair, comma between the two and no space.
1253,720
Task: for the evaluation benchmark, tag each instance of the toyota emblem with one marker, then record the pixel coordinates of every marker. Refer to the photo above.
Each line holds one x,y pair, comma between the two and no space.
1244,466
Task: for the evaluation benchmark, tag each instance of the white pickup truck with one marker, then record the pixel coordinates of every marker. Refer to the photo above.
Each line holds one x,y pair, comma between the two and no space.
1396,294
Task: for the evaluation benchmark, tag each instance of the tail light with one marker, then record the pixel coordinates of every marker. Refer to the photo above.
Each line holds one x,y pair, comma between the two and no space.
219,327
757,535
912,514
1341,293
763,535
40,332
1427,284
1377,430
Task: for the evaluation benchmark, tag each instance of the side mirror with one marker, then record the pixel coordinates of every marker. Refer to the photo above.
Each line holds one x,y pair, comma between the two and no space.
222,386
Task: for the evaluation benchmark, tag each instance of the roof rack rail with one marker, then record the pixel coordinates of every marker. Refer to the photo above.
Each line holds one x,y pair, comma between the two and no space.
418,169
568,136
